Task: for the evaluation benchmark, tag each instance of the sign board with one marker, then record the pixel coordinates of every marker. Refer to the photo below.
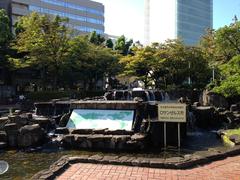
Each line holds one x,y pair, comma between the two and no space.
172,112
101,119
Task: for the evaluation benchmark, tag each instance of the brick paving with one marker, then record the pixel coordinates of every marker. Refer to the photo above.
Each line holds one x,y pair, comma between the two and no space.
227,169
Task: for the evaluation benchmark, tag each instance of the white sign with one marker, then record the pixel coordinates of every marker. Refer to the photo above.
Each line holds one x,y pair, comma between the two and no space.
172,112
101,119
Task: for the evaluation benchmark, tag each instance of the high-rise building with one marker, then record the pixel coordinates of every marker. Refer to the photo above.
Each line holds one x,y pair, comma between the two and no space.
184,19
84,15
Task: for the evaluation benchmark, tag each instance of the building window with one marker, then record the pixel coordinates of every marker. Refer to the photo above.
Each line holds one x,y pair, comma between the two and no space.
68,15
71,16
74,6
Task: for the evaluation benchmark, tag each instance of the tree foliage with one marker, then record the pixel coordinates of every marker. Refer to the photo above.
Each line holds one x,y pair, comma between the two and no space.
96,39
5,30
46,42
122,45
222,49
170,63
94,62
5,51
230,85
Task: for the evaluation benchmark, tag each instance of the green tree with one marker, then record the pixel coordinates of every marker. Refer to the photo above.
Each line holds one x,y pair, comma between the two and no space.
5,50
96,39
109,44
230,85
91,62
221,47
5,30
139,64
223,44
45,40
168,64
122,45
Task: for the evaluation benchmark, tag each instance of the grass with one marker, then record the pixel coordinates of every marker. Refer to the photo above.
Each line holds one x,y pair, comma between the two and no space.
226,139
230,132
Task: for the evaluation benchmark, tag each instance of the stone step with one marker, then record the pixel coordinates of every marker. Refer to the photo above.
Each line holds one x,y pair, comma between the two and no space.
3,145
3,136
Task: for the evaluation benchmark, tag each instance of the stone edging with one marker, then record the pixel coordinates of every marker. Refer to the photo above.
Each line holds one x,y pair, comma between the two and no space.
188,161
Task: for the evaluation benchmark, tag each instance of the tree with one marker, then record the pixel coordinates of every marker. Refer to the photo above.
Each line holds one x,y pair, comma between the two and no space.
5,30
109,44
170,63
45,40
5,50
122,45
96,39
139,64
92,63
230,85
223,44
222,49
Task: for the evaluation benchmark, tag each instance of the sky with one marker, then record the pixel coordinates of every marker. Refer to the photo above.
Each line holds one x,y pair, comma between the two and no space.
126,17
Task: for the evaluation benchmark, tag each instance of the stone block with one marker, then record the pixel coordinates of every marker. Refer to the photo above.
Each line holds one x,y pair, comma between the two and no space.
12,140
11,128
109,159
118,132
99,131
3,145
95,158
157,163
64,120
235,108
96,137
68,140
43,122
86,144
30,135
14,118
62,130
3,136
138,137
82,131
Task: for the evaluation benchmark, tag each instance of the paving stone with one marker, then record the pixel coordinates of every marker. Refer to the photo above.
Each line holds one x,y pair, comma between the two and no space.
225,169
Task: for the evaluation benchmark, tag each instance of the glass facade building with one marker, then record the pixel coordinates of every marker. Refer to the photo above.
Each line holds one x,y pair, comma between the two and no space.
184,19
84,15
193,18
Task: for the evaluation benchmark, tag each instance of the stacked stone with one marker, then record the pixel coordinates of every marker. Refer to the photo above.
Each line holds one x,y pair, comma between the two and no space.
101,139
21,131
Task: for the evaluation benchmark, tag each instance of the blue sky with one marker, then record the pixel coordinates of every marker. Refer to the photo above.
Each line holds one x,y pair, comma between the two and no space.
127,16
224,11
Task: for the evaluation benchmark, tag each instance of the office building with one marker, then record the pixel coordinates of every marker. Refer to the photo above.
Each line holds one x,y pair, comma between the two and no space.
184,19
84,15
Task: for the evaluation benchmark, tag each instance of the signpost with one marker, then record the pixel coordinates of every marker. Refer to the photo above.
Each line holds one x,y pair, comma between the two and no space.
172,112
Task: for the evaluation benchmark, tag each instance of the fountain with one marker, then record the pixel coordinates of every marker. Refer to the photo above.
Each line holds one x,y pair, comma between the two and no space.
122,121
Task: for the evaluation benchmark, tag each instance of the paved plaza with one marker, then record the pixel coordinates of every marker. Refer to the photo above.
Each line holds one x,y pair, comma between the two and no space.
227,169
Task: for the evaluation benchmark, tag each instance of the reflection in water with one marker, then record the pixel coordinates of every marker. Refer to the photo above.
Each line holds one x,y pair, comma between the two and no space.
24,165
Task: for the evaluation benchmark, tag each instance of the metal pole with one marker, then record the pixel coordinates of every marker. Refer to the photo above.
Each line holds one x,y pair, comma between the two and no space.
179,134
165,134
